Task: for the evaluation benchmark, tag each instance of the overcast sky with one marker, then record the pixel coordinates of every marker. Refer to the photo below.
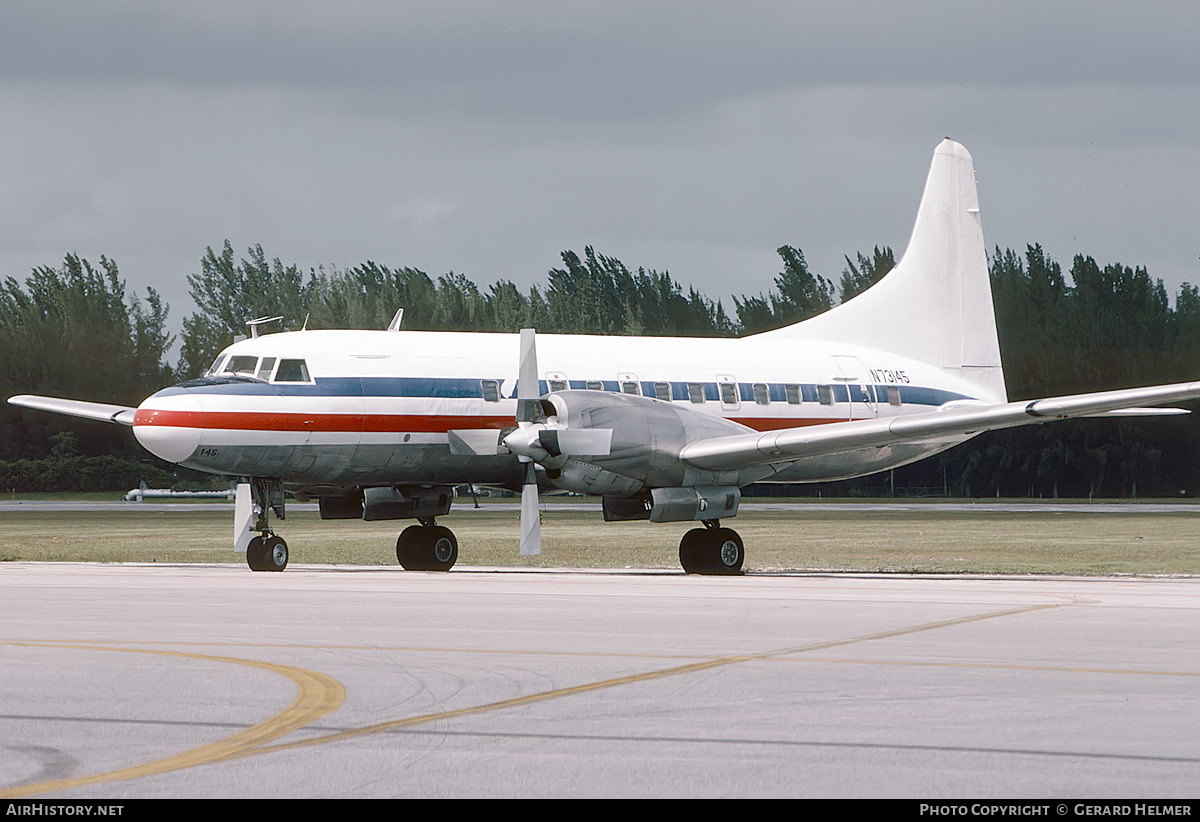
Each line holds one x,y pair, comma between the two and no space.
487,137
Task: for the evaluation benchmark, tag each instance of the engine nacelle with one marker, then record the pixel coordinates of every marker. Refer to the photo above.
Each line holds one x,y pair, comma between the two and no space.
647,436
406,503
675,504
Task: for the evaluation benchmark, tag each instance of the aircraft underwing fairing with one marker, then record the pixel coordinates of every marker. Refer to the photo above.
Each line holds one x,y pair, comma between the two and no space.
381,425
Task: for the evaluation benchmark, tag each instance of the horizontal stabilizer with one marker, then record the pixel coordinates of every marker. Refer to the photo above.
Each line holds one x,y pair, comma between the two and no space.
101,412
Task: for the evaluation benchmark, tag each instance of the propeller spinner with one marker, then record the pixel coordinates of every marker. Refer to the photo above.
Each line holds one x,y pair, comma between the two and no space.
534,442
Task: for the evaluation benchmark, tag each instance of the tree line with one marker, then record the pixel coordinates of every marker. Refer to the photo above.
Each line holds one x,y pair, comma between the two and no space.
74,331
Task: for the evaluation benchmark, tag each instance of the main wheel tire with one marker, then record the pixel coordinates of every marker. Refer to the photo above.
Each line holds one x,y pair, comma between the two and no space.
691,551
727,552
408,548
443,549
427,548
712,551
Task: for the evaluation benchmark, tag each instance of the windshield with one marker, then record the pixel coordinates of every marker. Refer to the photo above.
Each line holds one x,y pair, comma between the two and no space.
263,369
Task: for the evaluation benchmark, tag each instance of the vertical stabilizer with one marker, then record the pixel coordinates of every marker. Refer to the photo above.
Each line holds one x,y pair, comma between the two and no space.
936,304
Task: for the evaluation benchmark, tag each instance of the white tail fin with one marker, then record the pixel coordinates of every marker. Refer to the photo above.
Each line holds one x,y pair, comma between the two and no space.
936,304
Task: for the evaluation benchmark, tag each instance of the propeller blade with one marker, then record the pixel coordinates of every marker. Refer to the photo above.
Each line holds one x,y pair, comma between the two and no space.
528,391
531,525
528,398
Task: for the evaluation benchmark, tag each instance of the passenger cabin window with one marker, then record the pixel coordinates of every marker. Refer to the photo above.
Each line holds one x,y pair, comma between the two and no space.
762,394
595,385
893,393
825,394
729,393
662,390
793,394
292,371
630,387
559,385
490,389
696,392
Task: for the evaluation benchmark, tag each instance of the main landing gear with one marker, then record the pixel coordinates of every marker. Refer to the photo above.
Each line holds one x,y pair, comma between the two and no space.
427,547
712,550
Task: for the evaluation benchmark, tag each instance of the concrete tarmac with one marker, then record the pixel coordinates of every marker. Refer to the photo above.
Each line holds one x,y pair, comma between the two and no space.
128,681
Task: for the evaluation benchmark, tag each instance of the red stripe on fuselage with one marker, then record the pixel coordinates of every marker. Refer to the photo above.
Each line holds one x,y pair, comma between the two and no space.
373,423
270,421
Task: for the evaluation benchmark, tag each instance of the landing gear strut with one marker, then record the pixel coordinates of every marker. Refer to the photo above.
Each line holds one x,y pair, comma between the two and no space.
427,547
712,550
267,551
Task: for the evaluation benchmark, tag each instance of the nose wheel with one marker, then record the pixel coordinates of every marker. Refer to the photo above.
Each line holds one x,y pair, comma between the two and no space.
267,552
712,550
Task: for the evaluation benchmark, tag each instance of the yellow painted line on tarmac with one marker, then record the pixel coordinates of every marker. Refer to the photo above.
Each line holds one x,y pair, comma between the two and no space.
999,666
778,656
703,665
320,695
317,696
373,647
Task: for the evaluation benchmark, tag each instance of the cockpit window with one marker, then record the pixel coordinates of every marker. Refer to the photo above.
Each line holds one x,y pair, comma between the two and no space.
265,368
241,366
216,366
292,371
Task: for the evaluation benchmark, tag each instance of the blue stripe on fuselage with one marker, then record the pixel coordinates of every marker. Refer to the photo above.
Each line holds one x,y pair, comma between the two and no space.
470,388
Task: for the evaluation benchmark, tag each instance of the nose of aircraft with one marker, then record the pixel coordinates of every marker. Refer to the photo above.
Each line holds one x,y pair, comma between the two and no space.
165,425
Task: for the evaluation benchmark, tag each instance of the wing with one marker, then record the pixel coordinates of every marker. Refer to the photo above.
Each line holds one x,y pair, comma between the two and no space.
102,412
956,419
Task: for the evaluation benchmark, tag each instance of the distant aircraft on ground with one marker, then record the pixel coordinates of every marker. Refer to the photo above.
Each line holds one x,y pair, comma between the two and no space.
383,424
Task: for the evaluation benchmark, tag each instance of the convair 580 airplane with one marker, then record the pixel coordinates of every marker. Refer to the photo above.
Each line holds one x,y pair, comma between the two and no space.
383,424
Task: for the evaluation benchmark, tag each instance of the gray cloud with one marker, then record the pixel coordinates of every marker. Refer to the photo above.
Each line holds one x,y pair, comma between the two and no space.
487,137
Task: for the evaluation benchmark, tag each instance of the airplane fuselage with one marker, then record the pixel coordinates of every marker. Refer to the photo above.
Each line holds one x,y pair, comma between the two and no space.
346,408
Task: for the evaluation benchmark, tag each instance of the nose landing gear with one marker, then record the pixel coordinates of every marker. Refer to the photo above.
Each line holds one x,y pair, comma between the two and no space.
267,551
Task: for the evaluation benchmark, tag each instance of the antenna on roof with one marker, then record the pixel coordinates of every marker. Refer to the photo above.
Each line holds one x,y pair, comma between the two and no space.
254,324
